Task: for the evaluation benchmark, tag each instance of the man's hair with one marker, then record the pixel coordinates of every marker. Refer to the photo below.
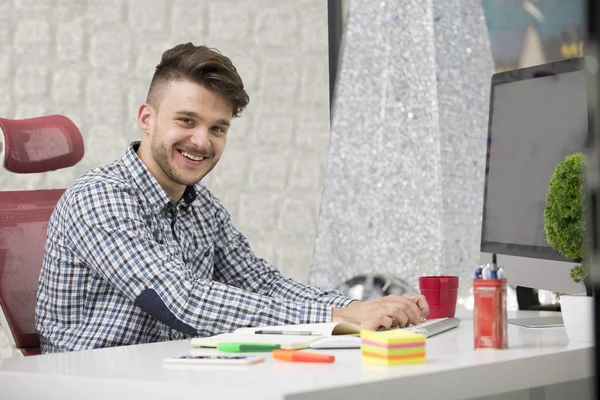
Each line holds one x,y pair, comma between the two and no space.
202,65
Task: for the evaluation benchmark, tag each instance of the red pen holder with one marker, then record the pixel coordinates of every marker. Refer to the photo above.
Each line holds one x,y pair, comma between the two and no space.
489,314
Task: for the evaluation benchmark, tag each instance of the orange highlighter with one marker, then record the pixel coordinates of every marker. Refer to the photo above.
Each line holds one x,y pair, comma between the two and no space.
302,356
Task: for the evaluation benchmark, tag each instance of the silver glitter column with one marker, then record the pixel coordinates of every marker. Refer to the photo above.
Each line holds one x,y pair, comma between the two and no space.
403,191
382,200
464,69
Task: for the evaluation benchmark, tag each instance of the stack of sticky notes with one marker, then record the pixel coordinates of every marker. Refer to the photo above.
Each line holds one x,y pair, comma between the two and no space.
392,347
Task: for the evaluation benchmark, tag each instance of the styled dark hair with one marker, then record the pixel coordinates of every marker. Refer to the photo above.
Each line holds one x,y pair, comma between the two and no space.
200,64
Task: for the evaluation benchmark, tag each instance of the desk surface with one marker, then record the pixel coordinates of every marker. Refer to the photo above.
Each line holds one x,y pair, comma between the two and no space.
536,357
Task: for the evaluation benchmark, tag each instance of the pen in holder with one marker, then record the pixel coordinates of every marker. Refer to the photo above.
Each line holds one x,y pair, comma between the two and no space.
489,314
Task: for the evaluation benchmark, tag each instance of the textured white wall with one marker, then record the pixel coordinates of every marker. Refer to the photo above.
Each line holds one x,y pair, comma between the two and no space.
92,60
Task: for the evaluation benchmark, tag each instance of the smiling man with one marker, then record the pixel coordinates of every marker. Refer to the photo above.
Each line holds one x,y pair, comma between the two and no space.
140,251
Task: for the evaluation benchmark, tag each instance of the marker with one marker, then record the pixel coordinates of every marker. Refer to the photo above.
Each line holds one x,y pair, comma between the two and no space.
478,272
298,333
302,356
500,273
246,347
485,274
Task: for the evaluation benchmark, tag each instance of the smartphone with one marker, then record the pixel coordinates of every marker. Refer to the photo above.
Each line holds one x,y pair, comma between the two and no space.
191,359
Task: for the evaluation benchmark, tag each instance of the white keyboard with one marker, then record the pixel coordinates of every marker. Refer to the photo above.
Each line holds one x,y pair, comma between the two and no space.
432,327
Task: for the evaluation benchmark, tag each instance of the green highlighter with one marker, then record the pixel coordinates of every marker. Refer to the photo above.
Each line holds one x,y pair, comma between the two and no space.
246,347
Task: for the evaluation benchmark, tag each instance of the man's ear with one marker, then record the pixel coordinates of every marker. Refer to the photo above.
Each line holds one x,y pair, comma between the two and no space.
146,116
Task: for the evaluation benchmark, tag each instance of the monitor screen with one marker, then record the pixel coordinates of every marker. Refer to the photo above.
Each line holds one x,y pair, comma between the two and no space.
538,116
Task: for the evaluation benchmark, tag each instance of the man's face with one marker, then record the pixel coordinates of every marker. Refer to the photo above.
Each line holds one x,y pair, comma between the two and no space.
187,134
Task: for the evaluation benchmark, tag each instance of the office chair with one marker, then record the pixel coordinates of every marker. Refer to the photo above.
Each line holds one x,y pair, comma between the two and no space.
30,146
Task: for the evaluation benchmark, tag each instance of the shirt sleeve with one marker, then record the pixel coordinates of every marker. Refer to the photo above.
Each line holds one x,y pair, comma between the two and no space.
237,265
108,230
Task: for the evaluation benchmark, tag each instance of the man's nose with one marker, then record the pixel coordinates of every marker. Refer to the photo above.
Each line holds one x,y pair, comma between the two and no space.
201,138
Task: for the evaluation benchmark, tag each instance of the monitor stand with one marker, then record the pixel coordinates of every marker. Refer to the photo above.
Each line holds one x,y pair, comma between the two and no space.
553,321
528,300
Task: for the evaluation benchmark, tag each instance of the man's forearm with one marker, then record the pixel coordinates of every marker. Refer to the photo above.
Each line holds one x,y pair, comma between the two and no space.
290,289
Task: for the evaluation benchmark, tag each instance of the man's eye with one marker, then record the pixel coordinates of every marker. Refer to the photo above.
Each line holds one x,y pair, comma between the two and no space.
218,129
186,121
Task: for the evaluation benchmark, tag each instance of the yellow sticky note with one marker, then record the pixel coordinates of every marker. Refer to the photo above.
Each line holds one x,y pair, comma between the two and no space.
392,336
392,361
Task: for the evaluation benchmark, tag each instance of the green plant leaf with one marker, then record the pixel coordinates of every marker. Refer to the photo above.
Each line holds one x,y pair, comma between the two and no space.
578,273
563,222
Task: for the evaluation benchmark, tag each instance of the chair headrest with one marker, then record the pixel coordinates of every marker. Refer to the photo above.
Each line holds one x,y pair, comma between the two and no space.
40,144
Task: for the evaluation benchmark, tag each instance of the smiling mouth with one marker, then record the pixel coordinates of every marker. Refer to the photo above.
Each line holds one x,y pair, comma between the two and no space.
191,156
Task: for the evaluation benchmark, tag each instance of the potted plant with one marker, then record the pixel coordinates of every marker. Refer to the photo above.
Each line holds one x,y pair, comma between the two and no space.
564,227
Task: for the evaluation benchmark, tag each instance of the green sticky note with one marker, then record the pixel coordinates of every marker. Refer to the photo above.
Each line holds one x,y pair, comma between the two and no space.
246,347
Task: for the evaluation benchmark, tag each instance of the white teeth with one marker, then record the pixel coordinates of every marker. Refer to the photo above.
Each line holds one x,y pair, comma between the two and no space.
191,157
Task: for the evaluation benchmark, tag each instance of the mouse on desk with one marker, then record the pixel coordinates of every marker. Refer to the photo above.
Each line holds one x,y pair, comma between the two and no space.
337,342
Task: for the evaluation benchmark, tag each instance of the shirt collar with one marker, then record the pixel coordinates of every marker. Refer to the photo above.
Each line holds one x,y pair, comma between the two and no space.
156,196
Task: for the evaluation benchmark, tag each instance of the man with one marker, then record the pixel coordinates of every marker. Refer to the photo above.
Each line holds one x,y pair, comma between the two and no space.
140,251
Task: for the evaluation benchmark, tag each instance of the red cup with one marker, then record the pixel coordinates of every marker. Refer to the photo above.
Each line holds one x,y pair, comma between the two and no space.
441,293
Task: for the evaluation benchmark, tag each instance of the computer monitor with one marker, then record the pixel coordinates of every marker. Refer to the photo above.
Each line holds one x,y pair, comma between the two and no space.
538,116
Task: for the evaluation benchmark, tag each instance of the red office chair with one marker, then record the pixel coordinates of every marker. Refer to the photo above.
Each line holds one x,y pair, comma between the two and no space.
30,145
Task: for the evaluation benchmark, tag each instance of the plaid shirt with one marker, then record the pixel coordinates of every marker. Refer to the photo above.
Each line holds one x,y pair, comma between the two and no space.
124,264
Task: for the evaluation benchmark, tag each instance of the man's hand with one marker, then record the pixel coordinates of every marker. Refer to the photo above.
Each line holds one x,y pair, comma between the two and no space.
389,312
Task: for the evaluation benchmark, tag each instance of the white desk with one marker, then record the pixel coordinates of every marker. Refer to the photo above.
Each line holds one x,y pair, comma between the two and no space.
453,371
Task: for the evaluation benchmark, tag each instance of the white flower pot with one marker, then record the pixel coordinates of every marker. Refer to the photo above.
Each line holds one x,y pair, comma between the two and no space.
578,316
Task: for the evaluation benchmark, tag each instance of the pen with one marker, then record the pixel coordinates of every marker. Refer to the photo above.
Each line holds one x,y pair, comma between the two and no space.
494,262
300,333
302,356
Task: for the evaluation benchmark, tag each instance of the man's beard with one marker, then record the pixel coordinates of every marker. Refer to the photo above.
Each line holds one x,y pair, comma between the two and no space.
161,156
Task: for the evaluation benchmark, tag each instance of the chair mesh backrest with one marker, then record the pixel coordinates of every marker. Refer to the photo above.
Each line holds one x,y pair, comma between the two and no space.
41,144
24,219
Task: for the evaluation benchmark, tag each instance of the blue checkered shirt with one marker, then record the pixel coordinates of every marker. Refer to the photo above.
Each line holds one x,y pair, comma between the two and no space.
124,264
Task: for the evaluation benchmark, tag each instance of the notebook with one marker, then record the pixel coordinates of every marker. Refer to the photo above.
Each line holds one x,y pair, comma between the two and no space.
324,335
